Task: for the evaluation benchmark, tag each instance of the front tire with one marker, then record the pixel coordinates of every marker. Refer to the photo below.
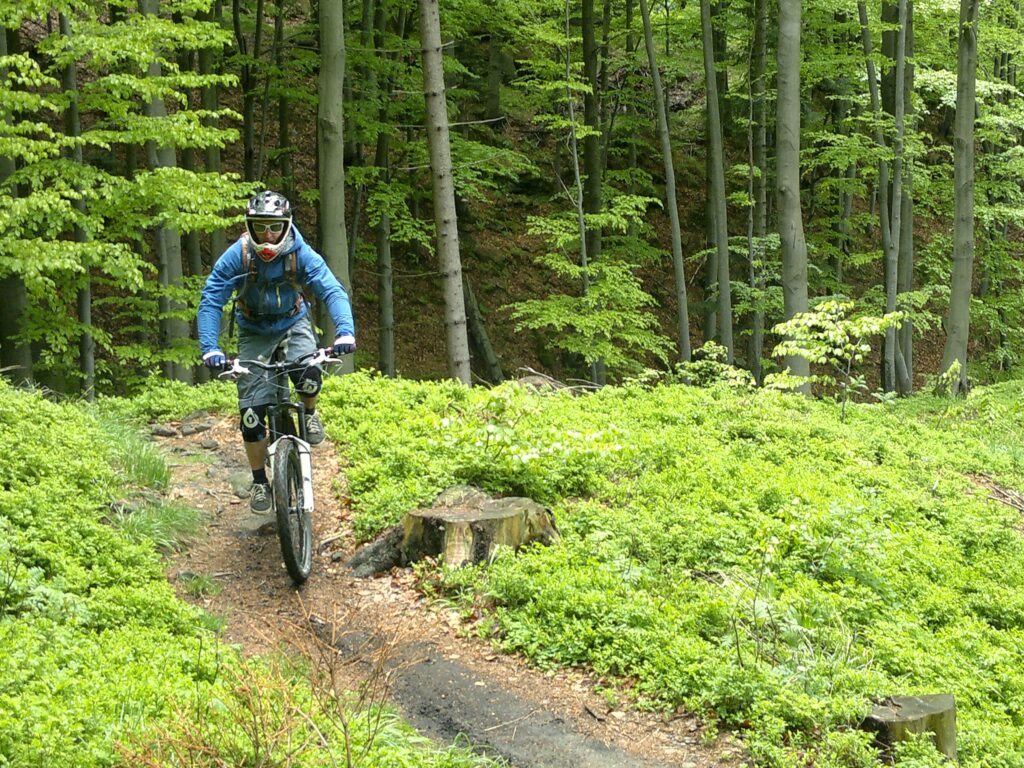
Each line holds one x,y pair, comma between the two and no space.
294,526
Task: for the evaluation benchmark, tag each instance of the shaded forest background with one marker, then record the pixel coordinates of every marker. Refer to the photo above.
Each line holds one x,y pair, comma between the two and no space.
131,134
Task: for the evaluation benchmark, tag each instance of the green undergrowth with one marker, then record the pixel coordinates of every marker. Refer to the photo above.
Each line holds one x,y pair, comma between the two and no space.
742,553
100,663
163,400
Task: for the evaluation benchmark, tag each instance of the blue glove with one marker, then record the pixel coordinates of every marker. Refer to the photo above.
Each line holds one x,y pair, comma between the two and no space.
215,360
344,345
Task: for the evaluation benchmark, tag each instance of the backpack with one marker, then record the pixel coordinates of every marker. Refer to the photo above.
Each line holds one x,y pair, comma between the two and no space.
291,275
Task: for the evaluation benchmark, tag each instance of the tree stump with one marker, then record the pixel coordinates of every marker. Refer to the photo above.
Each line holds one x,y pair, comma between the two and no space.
899,716
466,526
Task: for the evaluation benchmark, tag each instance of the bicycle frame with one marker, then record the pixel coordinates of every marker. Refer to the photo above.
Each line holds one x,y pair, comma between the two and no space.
281,424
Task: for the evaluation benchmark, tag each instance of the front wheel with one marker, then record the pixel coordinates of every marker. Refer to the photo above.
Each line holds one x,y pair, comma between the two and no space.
294,526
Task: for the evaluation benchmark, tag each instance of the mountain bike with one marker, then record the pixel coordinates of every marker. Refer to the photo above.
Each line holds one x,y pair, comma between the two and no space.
290,459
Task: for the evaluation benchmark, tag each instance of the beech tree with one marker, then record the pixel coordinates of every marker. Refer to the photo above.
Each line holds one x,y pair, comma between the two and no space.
331,151
442,184
954,356
791,229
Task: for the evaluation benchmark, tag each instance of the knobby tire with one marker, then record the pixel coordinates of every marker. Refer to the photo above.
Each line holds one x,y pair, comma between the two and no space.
294,527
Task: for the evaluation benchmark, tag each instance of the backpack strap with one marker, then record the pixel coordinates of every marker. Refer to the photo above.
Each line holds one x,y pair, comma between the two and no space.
291,274
249,269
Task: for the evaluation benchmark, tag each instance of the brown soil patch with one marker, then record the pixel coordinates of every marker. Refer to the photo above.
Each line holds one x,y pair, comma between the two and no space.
264,612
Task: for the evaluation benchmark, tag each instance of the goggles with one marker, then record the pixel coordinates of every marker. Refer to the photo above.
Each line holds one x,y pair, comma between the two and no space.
263,227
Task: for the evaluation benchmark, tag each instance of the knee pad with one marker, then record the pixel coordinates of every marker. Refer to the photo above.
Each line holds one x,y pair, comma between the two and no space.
253,423
309,382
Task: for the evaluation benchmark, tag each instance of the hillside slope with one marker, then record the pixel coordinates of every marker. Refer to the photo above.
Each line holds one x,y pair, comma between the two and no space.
742,553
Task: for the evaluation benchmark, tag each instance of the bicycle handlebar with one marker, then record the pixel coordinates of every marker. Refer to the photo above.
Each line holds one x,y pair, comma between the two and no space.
237,367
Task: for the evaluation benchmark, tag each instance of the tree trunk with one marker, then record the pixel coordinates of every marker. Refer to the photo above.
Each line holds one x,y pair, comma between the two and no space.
895,201
284,122
905,276
15,355
193,245
210,101
445,219
710,304
791,229
331,149
73,128
385,291
959,317
385,288
592,119
492,103
574,156
682,312
173,331
716,155
631,155
758,222
247,82
478,335
720,54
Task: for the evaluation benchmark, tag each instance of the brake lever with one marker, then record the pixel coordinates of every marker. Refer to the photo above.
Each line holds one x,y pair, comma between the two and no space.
323,356
235,370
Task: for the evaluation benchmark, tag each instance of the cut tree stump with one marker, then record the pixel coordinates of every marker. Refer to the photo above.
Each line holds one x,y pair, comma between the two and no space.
464,525
899,716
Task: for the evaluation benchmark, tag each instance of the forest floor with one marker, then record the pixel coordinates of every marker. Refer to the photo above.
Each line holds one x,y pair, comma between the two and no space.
418,653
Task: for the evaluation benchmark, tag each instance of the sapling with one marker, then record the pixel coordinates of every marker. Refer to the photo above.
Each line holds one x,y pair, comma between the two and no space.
827,337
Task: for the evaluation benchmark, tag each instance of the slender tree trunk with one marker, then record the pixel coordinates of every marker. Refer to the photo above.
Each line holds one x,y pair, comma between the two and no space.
593,155
574,156
905,277
173,331
193,245
720,52
385,289
15,355
478,335
367,77
958,320
331,149
353,231
895,201
73,128
276,44
890,205
682,312
492,104
284,112
787,131
717,156
607,109
592,119
758,222
710,324
631,156
248,85
211,103
445,219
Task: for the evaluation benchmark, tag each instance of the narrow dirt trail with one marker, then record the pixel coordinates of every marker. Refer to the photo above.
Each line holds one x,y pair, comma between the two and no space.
446,682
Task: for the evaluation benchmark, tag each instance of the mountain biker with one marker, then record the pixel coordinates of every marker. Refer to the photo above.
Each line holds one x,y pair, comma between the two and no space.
265,268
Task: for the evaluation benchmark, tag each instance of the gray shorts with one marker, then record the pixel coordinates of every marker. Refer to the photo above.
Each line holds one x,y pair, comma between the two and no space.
260,387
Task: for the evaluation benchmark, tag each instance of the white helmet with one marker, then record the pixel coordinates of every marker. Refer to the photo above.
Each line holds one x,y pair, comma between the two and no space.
268,210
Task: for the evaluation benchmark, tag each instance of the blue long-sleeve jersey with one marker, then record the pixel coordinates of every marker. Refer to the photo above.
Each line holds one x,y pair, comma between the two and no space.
270,296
